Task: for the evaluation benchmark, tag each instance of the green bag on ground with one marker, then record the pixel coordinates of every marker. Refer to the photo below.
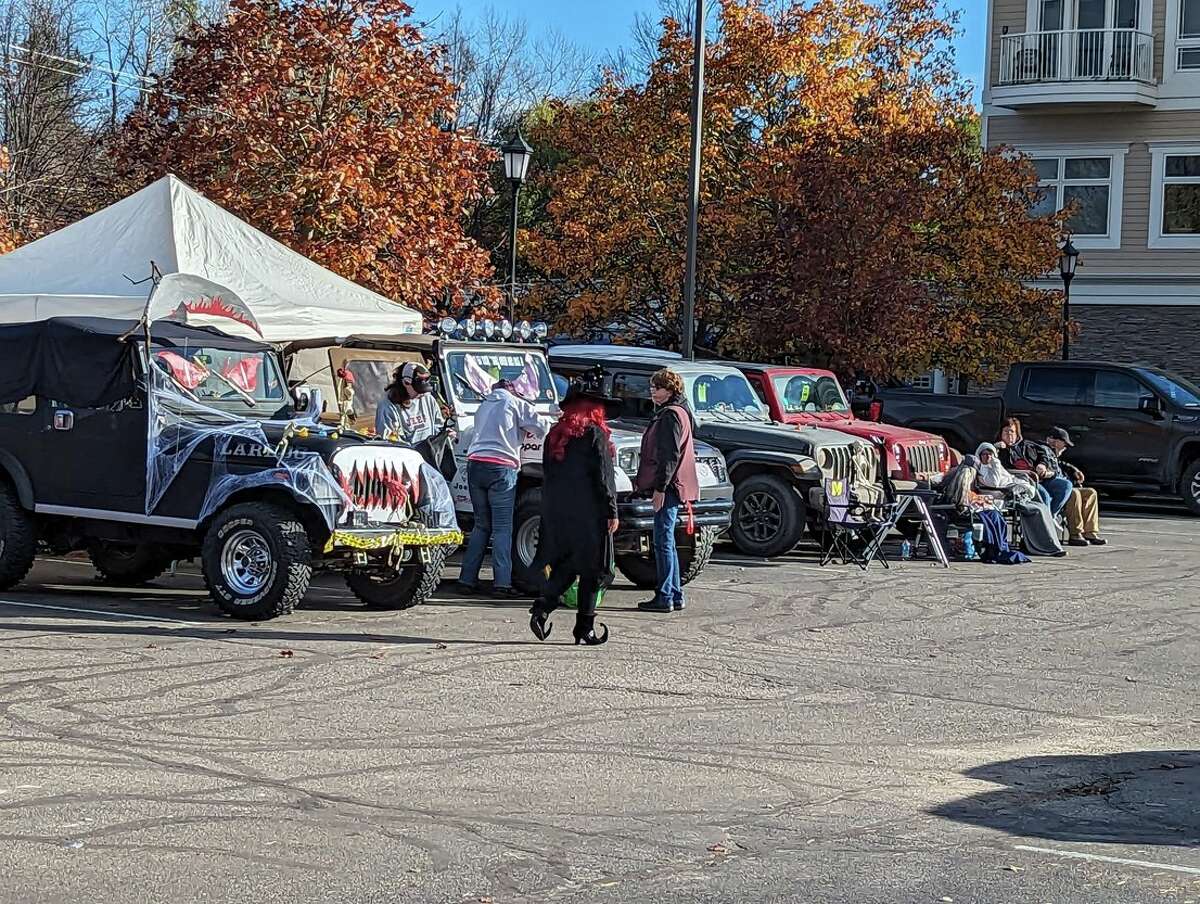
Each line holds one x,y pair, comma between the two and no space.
571,597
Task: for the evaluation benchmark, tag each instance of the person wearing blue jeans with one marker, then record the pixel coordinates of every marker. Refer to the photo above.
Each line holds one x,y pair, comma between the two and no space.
667,472
503,421
666,556
493,489
1020,454
1057,491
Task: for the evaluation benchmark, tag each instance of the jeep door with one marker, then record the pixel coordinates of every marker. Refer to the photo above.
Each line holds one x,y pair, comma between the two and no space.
21,426
94,458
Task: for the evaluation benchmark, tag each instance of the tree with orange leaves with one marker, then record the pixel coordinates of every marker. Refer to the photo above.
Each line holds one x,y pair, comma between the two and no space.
848,216
322,123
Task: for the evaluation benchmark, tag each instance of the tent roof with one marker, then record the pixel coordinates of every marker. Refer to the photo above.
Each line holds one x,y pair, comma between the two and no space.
81,269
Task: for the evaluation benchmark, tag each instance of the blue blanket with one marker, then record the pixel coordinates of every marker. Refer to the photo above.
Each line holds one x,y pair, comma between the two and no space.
994,545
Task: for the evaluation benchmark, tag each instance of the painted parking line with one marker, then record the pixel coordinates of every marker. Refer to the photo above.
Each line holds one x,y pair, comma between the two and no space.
103,612
1077,855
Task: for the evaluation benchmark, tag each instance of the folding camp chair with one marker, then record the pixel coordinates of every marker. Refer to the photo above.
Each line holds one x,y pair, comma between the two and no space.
855,530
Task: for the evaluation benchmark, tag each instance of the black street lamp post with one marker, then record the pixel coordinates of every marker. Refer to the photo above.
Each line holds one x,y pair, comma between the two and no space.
688,327
516,163
1067,262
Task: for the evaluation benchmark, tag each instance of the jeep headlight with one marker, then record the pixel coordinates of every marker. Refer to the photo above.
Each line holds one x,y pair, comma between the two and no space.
627,461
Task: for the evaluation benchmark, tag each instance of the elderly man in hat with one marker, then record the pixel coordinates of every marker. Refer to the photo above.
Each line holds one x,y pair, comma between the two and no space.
1083,505
411,412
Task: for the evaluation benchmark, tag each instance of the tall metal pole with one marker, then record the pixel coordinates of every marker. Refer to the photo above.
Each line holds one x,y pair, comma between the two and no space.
512,250
1066,320
688,327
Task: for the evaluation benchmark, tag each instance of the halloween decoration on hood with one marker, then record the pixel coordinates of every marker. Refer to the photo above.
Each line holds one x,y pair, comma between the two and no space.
187,298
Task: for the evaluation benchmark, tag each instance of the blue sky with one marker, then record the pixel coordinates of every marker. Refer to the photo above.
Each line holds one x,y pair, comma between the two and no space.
604,25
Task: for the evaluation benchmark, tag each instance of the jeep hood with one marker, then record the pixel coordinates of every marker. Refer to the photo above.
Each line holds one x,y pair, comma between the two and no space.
772,437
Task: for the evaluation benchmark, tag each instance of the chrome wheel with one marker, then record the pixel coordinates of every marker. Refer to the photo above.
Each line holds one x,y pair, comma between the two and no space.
526,545
246,562
760,517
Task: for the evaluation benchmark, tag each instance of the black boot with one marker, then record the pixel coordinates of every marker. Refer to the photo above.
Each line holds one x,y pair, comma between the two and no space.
584,633
539,620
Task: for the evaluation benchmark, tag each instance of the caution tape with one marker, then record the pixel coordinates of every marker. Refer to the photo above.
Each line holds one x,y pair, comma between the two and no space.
394,541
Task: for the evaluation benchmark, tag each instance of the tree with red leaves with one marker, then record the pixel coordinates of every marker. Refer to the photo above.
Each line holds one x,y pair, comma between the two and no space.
322,124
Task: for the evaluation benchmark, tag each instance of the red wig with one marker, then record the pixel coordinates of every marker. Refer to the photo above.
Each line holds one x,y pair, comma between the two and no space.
577,415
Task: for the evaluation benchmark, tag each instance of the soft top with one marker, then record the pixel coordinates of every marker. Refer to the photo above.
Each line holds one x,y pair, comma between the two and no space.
82,362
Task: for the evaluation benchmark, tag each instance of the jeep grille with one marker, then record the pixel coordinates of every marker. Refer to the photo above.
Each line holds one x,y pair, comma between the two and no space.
923,459
835,462
717,466
380,486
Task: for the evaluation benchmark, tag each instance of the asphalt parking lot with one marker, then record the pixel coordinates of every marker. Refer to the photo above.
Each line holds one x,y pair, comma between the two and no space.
982,734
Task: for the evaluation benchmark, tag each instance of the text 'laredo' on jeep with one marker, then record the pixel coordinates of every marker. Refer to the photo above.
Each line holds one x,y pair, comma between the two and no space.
464,371
145,446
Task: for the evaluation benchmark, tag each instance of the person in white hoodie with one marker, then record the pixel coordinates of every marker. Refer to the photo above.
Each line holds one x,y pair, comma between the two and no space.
493,462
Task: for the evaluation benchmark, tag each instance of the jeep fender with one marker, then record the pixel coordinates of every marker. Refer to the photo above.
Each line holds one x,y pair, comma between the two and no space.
801,468
313,518
1185,453
19,477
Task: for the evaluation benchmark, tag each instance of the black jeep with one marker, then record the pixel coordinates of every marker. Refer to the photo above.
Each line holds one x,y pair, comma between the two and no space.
145,447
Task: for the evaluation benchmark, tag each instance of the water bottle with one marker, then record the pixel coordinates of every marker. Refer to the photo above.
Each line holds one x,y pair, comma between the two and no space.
906,549
969,545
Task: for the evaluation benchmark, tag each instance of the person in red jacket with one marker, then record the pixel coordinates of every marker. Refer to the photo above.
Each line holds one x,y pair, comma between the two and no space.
667,470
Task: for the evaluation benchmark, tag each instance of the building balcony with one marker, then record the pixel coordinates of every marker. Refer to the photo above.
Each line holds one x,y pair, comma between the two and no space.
1095,66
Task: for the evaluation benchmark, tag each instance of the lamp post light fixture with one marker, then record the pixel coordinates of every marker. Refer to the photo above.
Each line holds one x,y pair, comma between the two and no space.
517,154
1068,260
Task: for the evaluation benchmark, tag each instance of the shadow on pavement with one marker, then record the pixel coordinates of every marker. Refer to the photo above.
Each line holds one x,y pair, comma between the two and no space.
1142,797
286,637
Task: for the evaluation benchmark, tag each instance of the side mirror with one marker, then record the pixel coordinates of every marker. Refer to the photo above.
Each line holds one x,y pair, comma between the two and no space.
875,411
1150,405
309,403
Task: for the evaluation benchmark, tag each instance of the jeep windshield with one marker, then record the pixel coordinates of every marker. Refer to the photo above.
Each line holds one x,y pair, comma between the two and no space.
723,397
244,383
804,393
1180,391
474,373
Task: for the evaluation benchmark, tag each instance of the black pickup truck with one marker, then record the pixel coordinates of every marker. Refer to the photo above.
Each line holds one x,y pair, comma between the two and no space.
1136,429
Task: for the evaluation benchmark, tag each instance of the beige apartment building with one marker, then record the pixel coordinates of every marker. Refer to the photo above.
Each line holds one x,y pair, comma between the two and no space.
1105,96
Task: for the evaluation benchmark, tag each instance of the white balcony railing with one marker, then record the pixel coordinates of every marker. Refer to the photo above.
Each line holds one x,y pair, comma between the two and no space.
1088,55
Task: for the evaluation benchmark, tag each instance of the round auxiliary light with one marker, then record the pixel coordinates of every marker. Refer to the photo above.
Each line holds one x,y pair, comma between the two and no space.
540,330
506,330
525,330
469,327
489,329
448,326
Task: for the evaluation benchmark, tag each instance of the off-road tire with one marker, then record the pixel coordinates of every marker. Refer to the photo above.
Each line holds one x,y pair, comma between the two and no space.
527,515
128,564
789,509
412,586
1189,487
18,539
641,571
289,560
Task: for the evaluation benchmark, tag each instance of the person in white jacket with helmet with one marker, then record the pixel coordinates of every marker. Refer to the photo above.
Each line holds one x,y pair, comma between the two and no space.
503,421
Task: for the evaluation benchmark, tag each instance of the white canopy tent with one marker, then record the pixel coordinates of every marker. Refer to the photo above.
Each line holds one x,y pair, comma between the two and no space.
81,270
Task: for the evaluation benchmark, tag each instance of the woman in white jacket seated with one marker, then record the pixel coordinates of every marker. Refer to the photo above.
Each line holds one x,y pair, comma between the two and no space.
1038,532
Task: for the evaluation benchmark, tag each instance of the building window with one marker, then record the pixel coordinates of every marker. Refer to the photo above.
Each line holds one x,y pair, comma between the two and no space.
1187,49
1175,197
1085,184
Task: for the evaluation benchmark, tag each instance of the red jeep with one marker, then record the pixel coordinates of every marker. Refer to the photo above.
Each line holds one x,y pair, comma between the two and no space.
813,397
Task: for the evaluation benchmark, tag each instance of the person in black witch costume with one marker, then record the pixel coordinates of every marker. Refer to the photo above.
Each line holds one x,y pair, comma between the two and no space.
579,509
